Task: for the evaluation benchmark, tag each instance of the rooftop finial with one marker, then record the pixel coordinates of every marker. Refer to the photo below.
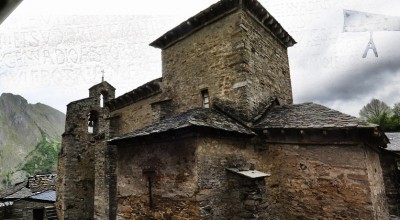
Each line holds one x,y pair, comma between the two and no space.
102,76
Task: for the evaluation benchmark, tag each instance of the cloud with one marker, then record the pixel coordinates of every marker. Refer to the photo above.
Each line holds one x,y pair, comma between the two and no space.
360,80
327,66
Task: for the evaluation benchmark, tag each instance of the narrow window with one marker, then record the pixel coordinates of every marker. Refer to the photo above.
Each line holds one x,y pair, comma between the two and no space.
90,127
103,98
92,122
101,101
206,98
150,174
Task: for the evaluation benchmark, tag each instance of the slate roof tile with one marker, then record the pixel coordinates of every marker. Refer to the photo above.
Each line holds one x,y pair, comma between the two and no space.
22,193
199,117
9,191
49,195
309,115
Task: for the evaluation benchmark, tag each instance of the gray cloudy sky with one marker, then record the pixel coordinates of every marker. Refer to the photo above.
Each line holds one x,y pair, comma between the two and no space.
52,51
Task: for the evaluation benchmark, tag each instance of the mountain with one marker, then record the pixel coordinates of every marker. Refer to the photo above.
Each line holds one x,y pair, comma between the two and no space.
30,136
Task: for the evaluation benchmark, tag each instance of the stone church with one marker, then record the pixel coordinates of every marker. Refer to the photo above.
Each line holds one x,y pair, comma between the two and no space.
218,136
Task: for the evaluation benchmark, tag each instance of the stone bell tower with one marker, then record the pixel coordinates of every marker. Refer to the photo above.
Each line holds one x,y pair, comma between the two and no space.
85,131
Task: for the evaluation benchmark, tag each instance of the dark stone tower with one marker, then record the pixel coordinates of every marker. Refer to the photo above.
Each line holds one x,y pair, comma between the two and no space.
85,128
235,50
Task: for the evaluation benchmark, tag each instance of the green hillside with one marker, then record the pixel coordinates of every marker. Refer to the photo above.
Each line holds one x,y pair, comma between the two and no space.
30,136
43,159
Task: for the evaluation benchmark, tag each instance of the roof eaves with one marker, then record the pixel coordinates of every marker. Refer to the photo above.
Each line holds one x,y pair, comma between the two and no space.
142,92
269,22
80,100
196,22
216,12
191,118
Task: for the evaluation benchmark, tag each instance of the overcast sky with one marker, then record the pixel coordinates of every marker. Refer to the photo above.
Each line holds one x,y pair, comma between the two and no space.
52,51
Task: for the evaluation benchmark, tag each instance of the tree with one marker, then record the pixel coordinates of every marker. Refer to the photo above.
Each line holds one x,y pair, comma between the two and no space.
383,120
396,110
396,116
375,109
378,112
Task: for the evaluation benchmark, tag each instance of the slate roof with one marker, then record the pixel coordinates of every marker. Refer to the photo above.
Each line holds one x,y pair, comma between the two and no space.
22,193
218,11
309,115
198,117
394,138
245,116
9,191
26,193
49,195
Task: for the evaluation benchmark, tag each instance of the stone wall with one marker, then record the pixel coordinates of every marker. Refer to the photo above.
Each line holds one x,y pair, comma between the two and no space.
236,59
172,169
248,198
223,195
190,182
376,181
77,159
322,181
308,181
391,177
337,180
267,64
75,188
23,209
40,183
135,116
105,181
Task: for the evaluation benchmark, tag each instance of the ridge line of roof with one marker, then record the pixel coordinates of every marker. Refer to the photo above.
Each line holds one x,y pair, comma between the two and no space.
119,102
104,82
218,11
295,116
79,100
189,119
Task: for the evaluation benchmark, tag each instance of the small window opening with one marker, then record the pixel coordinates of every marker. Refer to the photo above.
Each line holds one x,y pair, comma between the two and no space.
206,98
101,101
90,127
92,122
103,98
149,175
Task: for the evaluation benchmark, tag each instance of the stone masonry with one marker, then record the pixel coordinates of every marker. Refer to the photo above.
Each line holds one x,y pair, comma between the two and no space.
77,159
218,136
233,61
